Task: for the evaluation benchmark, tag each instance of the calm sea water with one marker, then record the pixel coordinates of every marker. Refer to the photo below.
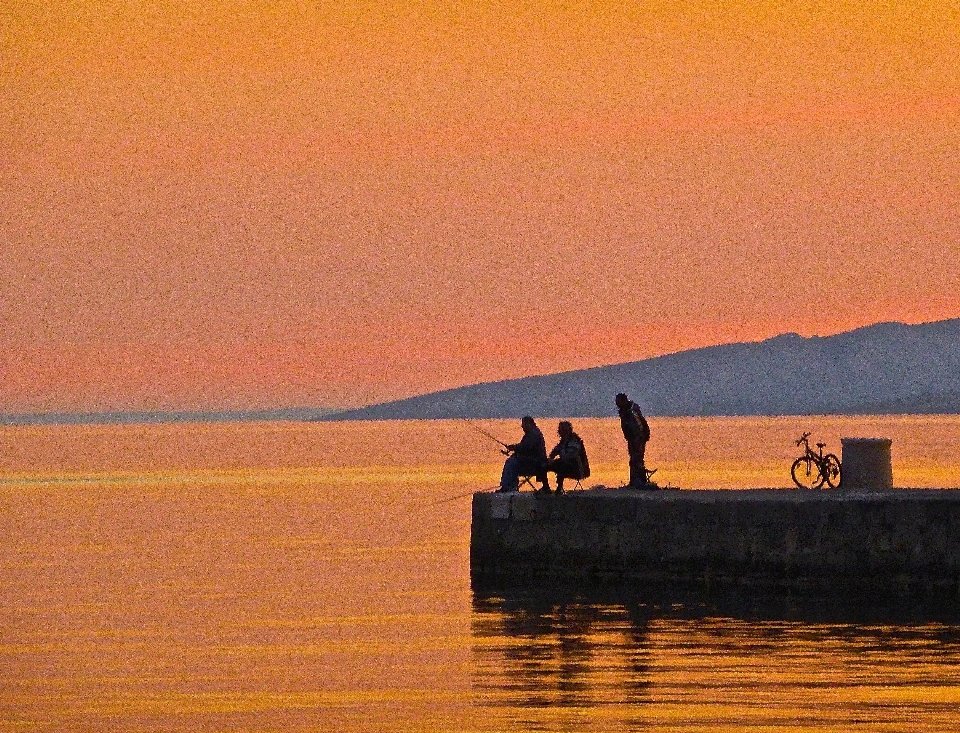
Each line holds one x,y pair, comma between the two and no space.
315,577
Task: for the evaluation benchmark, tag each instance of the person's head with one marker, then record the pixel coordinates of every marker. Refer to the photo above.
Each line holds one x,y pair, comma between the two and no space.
622,400
564,429
527,423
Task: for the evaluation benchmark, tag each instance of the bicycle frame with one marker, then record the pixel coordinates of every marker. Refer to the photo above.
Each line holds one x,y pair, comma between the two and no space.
827,467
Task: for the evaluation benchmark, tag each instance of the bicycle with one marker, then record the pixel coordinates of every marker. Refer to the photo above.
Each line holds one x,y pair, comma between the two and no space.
813,470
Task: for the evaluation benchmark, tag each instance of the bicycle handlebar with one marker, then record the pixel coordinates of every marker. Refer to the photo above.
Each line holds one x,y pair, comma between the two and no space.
803,438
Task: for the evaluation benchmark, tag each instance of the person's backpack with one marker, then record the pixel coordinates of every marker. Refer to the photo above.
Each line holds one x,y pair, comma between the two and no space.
641,423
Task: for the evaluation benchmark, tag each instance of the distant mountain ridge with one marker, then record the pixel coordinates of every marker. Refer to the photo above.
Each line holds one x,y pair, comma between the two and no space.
886,368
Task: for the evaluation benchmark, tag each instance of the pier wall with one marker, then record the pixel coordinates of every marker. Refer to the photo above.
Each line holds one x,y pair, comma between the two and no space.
777,536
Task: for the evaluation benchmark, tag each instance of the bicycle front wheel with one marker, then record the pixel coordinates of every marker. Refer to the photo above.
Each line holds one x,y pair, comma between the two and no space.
806,473
831,470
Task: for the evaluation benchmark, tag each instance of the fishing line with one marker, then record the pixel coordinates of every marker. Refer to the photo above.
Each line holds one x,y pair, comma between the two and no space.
463,496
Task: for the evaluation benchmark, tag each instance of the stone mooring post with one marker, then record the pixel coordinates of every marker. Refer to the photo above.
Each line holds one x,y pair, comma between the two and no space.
865,463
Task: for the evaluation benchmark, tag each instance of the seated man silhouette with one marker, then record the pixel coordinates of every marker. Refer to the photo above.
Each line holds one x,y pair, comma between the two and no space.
568,459
527,458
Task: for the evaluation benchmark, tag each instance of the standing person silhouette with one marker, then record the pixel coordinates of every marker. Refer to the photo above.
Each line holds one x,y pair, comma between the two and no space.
637,433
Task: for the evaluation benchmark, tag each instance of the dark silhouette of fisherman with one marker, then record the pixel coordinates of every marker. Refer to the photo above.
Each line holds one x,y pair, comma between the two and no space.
568,459
527,458
637,433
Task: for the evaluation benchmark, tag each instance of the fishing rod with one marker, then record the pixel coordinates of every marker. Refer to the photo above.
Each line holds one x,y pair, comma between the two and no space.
485,433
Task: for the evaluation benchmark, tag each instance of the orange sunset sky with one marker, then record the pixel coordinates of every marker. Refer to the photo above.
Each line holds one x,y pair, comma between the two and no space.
248,205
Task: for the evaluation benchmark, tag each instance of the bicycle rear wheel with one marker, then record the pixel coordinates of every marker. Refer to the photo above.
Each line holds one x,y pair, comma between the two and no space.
806,473
831,470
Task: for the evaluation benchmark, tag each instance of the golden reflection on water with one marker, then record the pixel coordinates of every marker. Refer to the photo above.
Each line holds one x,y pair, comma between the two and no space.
307,577
743,452
639,667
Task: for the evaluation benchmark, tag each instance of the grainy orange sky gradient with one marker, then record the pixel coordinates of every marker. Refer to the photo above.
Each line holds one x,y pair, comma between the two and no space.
245,205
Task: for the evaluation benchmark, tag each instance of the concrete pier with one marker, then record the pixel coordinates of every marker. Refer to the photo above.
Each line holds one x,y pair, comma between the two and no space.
896,537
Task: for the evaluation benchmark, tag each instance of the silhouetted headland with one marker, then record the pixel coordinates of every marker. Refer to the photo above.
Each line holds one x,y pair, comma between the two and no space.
887,368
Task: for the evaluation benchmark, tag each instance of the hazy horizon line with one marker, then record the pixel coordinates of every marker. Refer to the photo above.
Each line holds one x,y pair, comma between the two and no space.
133,417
